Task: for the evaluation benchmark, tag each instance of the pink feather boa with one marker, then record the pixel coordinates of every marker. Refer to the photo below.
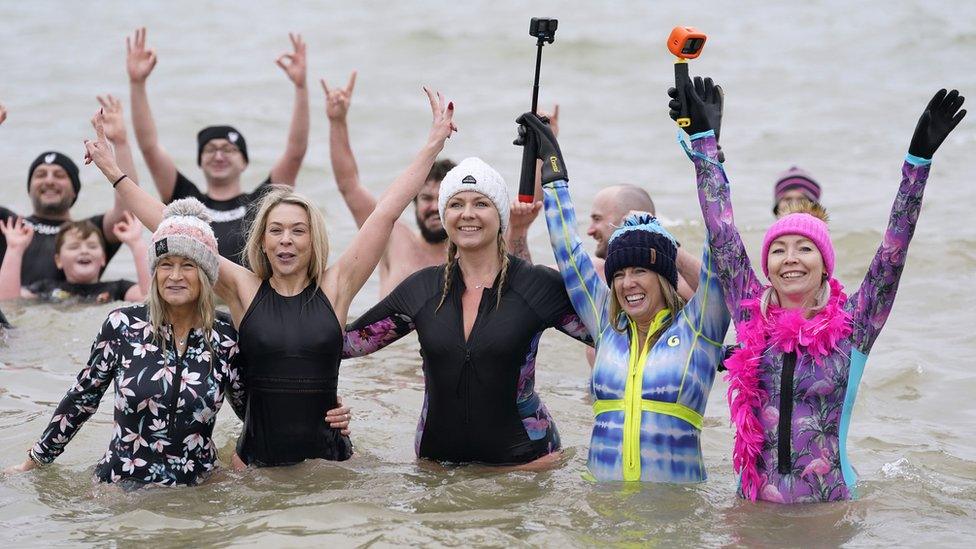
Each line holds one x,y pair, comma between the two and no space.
786,330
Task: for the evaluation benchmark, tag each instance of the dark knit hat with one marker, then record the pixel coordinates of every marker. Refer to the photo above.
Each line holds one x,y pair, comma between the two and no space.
210,133
54,157
795,178
642,242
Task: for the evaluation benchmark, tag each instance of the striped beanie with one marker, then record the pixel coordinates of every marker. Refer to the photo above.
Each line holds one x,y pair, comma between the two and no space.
795,178
642,242
185,231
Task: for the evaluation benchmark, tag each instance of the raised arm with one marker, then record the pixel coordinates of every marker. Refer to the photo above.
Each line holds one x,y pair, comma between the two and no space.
139,64
587,292
149,210
129,231
285,171
875,297
728,253
118,137
344,280
358,199
18,235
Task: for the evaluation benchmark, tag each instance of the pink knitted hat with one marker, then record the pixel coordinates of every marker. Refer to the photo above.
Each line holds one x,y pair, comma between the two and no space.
185,231
807,226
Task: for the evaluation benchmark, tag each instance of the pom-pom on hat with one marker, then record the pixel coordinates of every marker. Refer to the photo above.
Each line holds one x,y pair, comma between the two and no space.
54,157
807,226
474,174
642,242
210,133
185,231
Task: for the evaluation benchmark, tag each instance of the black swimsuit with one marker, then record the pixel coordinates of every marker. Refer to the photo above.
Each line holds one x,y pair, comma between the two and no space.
291,348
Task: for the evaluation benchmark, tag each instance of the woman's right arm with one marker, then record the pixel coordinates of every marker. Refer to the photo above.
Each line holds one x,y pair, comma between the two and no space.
387,321
728,253
82,398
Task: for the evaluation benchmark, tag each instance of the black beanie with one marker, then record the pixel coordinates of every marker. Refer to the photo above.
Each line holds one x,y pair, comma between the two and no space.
210,133
642,242
54,157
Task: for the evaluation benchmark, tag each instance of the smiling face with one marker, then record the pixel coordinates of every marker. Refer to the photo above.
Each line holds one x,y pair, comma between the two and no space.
472,221
178,280
221,160
638,290
428,218
796,269
50,190
287,241
81,258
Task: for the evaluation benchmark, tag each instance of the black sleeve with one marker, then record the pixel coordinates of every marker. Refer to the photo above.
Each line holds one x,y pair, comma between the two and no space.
119,289
111,248
184,188
544,290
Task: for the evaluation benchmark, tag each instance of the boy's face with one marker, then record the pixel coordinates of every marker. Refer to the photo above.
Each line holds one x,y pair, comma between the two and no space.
81,259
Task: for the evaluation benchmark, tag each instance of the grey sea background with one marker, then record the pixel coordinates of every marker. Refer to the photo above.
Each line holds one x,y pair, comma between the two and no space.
832,86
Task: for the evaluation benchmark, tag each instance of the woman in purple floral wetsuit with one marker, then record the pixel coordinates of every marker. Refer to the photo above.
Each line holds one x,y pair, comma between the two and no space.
803,342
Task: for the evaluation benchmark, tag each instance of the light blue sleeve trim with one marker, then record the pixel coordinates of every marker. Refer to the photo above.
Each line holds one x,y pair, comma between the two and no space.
858,360
917,160
701,135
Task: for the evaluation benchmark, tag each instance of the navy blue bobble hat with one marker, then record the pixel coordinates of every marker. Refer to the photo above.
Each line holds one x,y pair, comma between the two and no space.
642,242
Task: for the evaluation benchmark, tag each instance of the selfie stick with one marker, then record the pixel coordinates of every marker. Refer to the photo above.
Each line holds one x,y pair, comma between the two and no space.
527,177
685,43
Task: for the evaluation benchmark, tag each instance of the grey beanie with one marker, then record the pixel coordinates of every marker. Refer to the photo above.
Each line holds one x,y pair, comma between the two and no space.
185,231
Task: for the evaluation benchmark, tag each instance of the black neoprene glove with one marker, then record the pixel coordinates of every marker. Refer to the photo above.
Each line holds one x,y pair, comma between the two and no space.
940,117
705,100
546,147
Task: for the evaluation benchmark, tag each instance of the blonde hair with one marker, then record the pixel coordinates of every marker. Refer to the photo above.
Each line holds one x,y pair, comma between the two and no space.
256,258
803,205
672,301
206,309
452,258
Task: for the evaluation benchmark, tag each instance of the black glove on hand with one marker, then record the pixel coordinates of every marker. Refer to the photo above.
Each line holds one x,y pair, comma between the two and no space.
941,116
705,100
546,147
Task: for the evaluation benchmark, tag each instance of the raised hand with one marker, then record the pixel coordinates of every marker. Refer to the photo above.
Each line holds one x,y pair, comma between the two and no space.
940,117
546,147
705,103
522,214
294,63
552,118
100,151
128,230
443,124
139,61
17,233
114,120
337,100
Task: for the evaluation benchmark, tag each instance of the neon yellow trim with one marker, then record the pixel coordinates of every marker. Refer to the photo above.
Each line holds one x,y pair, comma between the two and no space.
572,261
633,393
674,409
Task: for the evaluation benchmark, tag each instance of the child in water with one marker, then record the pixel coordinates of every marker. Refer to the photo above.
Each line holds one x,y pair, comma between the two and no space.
80,256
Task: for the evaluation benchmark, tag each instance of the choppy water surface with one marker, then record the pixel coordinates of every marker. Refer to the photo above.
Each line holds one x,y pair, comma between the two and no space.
835,87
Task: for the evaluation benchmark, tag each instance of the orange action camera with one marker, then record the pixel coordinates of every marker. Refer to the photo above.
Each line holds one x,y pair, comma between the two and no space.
686,42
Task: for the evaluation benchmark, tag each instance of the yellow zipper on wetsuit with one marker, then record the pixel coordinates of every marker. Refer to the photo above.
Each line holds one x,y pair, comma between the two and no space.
633,396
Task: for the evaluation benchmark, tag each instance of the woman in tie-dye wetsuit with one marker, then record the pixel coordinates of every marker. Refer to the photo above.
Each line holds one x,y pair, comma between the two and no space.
803,341
656,356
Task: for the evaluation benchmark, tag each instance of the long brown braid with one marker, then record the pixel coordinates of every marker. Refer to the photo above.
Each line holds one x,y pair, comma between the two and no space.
452,262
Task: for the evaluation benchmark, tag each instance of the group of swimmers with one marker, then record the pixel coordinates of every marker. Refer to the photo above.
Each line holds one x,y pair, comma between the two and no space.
655,315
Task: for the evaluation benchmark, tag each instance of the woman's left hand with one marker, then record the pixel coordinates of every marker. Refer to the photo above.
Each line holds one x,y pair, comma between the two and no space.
940,117
100,151
338,418
443,125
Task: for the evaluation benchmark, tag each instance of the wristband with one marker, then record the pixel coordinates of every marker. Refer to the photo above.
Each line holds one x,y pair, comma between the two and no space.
119,180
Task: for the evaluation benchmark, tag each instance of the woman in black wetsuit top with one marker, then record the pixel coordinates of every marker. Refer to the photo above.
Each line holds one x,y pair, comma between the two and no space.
290,309
479,319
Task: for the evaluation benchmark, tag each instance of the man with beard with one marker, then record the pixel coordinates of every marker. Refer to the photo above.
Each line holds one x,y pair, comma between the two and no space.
221,150
406,252
53,186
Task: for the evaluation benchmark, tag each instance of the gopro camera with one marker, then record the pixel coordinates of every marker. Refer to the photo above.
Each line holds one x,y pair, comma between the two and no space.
543,28
686,42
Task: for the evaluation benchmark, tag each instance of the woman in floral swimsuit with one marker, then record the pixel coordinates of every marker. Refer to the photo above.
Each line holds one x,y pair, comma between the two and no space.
803,341
172,360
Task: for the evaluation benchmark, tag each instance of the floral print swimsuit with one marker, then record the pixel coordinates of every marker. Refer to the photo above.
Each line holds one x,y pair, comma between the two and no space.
821,395
165,407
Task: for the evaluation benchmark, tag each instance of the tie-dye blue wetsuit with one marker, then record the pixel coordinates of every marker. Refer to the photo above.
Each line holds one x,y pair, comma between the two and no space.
648,405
